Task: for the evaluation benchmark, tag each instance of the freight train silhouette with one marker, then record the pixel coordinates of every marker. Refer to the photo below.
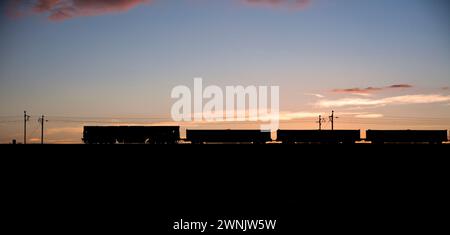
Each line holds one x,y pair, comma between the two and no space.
171,135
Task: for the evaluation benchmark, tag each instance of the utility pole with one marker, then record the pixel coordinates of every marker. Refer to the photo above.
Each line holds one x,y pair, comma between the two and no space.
26,118
332,120
42,120
320,122
332,117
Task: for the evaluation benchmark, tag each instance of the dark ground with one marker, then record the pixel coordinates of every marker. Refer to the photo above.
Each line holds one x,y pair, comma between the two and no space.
142,189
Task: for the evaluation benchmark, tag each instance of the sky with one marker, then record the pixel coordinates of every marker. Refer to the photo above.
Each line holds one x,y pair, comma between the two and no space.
379,64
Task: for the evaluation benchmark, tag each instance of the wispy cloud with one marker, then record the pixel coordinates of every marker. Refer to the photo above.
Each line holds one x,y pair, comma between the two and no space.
358,91
286,116
400,86
396,100
291,4
316,95
369,116
58,10
369,90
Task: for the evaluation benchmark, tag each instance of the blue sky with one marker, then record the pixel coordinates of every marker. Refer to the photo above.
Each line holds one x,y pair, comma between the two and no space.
124,63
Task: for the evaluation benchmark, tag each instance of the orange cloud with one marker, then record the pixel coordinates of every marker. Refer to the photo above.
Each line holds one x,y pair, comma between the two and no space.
58,10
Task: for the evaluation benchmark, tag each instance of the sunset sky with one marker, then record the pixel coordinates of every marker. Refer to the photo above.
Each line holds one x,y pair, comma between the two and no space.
380,64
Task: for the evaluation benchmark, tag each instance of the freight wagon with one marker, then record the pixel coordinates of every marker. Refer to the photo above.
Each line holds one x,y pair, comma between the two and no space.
318,136
228,136
131,134
406,136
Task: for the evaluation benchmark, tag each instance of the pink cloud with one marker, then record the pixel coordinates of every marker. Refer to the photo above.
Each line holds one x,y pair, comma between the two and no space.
357,90
45,5
400,86
369,90
58,10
